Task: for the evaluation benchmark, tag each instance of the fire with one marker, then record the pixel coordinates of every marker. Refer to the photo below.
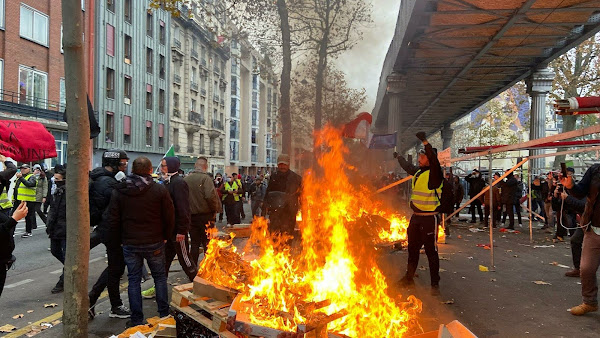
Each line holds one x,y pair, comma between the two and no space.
397,231
333,262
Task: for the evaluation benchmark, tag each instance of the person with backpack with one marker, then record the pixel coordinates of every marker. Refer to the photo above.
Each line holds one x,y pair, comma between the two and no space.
425,201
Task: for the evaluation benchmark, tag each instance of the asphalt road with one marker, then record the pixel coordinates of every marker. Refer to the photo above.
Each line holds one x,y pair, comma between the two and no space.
501,303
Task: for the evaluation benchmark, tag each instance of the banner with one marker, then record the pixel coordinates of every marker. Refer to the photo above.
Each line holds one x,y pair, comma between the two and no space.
444,157
26,141
359,127
384,141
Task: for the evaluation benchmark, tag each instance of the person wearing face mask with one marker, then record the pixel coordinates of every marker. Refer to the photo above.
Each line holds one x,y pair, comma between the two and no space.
476,184
41,190
218,185
57,225
231,198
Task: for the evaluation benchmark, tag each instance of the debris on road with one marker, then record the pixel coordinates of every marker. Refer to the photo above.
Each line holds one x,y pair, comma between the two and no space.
543,246
560,265
451,301
7,328
483,268
50,305
541,282
20,315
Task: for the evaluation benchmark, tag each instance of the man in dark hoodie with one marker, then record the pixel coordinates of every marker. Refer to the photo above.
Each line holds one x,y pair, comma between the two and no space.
476,184
7,242
141,217
103,182
178,242
508,190
56,226
424,201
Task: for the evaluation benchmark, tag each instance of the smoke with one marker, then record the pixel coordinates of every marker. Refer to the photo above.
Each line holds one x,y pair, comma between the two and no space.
363,63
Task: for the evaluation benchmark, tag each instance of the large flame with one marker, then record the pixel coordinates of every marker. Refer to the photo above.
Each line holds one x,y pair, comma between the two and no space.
335,263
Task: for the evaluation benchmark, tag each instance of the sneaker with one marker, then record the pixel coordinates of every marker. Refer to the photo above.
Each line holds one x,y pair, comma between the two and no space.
520,225
572,273
120,312
582,309
406,282
129,324
58,288
26,235
435,290
92,312
150,293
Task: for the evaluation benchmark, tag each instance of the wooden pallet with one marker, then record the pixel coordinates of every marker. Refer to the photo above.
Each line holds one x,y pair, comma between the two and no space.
207,311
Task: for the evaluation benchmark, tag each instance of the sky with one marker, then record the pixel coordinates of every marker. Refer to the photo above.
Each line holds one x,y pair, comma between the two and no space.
363,63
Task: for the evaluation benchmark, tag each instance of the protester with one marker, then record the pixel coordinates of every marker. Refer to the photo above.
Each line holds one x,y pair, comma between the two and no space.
283,197
178,241
496,204
218,186
573,205
5,175
241,192
230,191
56,227
7,242
539,189
517,201
51,187
204,205
257,192
41,190
548,211
458,192
25,190
508,190
476,184
103,182
141,217
425,199
448,182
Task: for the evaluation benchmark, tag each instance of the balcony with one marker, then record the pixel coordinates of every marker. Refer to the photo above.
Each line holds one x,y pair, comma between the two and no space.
216,98
30,106
221,153
194,86
177,44
196,118
176,112
223,102
212,152
216,69
203,63
217,124
203,92
195,54
177,78
190,150
254,157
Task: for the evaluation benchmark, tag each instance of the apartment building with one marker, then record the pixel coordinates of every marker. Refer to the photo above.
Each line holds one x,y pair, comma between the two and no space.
132,78
253,126
32,84
199,85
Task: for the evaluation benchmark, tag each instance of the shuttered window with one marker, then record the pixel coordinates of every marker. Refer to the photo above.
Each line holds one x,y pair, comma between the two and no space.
110,40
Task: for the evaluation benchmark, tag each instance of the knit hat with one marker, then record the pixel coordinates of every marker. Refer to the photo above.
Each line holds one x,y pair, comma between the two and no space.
173,164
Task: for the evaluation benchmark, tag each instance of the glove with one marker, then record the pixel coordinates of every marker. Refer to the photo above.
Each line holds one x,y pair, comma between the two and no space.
421,136
395,154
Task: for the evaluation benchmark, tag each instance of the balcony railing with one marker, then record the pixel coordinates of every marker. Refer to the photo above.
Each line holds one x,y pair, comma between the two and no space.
203,62
203,92
31,106
254,157
217,124
196,118
190,149
176,112
177,78
194,86
177,43
216,98
195,54
222,102
221,153
216,69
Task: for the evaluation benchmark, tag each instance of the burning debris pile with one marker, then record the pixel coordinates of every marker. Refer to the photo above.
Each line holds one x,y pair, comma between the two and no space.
333,272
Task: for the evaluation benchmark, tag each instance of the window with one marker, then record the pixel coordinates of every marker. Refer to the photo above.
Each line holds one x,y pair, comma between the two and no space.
34,25
148,133
110,83
149,64
63,95
110,127
211,146
127,47
148,97
176,136
254,132
161,135
193,75
127,129
33,87
149,24
110,40
110,5
127,89
162,33
127,11
176,100
202,143
162,66
61,38
190,142
161,101
2,14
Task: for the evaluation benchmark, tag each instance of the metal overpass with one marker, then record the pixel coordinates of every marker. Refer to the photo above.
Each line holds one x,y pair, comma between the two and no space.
448,57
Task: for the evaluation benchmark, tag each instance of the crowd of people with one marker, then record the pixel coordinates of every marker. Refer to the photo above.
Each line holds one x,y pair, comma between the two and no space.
142,218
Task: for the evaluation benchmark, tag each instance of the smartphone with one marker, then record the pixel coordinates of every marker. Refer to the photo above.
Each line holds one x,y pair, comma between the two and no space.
563,169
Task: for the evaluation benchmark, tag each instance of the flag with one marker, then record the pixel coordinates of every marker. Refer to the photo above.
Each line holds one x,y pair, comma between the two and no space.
383,141
94,127
170,153
359,127
26,141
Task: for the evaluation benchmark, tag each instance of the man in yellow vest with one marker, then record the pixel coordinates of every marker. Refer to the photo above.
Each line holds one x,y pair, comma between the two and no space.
25,190
425,199
231,197
5,175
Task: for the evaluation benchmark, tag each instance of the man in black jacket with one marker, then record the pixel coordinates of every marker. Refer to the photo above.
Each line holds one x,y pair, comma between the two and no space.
141,217
283,197
424,201
508,191
476,184
7,242
103,182
178,243
56,227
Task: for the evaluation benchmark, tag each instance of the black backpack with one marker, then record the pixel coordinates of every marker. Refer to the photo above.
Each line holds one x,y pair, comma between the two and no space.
446,200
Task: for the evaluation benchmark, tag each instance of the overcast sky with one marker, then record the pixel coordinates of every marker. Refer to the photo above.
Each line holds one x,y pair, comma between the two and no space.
363,63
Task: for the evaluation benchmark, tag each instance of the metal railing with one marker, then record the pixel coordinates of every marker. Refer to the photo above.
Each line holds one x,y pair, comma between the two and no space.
177,43
176,112
196,117
222,102
212,152
217,124
177,78
194,86
28,105
203,92
203,62
202,151
216,98
195,54
177,147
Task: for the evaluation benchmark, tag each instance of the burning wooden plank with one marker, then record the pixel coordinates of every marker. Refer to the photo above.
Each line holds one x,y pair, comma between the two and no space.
204,288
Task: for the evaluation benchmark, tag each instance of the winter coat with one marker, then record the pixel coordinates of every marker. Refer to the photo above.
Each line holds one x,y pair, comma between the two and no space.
5,175
496,196
458,192
101,187
41,189
180,194
56,227
7,242
589,187
476,184
258,191
508,190
204,198
289,183
140,212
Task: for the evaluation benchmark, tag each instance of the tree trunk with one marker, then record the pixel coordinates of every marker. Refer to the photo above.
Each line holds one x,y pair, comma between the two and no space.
285,108
76,300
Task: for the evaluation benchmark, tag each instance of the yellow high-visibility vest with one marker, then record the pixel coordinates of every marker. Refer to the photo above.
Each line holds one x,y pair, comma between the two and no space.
25,193
231,187
5,202
423,198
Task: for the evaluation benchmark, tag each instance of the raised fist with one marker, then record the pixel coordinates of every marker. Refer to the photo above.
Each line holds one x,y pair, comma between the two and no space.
421,136
395,154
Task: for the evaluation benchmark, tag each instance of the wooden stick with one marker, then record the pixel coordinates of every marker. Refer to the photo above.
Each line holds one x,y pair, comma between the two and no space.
394,184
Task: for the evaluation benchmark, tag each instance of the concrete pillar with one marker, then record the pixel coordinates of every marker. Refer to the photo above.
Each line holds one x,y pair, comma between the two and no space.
447,134
396,84
539,85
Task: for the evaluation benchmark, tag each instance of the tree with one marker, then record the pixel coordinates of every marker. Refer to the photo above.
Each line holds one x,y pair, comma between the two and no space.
78,219
577,74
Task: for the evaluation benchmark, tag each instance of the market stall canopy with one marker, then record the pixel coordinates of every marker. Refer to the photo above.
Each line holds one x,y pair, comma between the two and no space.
448,57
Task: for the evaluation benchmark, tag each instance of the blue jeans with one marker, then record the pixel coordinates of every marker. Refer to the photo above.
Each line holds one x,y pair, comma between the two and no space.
154,254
